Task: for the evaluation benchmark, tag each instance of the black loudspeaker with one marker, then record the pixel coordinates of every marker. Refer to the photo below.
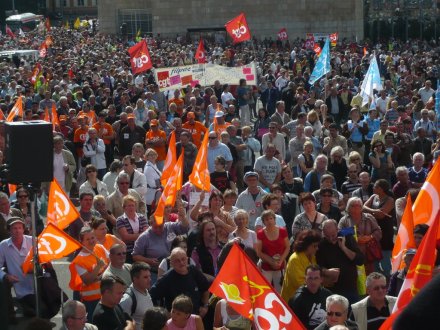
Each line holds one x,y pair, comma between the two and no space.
29,151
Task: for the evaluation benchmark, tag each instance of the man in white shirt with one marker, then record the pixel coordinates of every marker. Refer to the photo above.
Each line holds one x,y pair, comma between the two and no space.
227,98
426,92
136,299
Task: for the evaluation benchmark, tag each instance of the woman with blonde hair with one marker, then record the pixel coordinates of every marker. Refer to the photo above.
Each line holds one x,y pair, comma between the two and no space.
306,160
248,237
313,119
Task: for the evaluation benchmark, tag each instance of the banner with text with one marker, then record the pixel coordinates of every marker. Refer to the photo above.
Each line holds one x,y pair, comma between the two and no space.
204,74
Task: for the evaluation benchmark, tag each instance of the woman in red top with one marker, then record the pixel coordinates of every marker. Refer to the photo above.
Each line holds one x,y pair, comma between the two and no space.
272,248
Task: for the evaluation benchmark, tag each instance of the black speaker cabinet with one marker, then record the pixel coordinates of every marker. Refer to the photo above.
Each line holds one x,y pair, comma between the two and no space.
29,151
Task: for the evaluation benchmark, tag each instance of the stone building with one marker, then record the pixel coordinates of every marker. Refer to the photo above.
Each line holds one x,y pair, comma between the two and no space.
265,17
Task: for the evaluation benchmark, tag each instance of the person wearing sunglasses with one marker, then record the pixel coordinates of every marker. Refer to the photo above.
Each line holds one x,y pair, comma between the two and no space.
372,311
337,314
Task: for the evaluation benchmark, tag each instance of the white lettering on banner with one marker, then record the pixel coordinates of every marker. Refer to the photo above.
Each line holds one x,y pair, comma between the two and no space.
140,61
61,213
49,244
240,31
269,301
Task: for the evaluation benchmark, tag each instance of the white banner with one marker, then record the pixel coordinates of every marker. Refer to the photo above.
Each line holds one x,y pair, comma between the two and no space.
205,75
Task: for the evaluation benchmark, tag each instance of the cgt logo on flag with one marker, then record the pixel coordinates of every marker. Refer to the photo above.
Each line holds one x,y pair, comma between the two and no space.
238,29
140,57
282,34
51,244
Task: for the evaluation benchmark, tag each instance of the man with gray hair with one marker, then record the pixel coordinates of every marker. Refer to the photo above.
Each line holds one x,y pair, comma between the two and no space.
75,317
372,311
403,183
337,314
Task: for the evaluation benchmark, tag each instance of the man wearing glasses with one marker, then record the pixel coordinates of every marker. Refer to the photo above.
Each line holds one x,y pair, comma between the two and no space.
372,311
337,313
117,266
75,317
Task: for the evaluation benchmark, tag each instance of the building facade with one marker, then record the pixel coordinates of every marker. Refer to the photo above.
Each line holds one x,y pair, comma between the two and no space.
265,17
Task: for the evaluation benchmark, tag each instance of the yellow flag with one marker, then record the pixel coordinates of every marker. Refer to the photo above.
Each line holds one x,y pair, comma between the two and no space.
67,25
138,35
77,23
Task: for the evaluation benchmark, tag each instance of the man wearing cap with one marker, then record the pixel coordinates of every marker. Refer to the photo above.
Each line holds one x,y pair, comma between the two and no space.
251,198
196,128
219,124
13,251
129,135
157,139
150,104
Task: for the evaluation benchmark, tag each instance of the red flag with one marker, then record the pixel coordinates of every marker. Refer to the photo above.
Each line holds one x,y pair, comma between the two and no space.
282,34
35,73
60,210
47,24
334,38
428,200
200,176
170,160
53,243
140,57
250,294
419,273
43,49
201,53
55,121
405,238
169,194
238,29
317,49
17,110
9,32
71,73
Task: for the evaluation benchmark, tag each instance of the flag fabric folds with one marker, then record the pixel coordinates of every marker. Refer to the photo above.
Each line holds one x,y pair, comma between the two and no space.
250,294
322,65
200,53
17,110
238,29
170,160
169,194
60,210
405,238
428,200
282,34
53,243
140,57
200,176
334,39
43,49
77,23
9,32
371,82
419,273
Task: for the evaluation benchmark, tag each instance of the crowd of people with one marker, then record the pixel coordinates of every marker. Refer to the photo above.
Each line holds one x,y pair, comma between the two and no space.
308,179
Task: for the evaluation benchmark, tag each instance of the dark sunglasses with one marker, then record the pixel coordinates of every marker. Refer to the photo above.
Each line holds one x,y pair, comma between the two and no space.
337,314
212,137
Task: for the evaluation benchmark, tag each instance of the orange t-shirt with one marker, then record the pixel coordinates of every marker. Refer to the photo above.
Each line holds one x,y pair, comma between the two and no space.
196,130
107,129
160,149
80,136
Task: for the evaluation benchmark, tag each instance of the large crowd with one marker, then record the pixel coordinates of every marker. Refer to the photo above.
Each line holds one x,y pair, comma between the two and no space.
309,180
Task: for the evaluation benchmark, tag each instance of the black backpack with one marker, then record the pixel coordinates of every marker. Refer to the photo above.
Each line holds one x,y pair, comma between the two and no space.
132,295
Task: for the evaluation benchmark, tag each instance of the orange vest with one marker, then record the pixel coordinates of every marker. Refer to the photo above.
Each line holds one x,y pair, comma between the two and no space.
88,262
109,241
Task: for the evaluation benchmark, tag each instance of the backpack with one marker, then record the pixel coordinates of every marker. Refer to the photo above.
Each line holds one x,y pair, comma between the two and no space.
132,295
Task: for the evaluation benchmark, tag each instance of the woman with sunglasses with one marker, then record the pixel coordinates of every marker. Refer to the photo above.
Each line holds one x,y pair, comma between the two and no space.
23,204
92,184
380,159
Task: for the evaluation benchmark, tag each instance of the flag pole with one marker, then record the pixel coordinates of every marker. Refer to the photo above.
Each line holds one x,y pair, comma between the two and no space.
36,264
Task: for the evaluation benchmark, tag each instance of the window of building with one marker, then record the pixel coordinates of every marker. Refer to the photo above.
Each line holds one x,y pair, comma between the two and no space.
80,3
136,19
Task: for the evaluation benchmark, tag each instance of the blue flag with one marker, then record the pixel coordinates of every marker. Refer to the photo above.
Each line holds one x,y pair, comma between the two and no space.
322,65
371,81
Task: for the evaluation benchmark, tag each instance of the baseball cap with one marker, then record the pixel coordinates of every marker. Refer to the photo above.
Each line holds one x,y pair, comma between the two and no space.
154,122
411,252
14,220
249,174
219,114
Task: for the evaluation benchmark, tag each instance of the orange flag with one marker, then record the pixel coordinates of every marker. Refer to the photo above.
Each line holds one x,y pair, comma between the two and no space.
12,188
53,243
55,121
17,110
170,160
200,174
249,294
46,115
169,193
405,238
60,210
365,51
428,200
419,273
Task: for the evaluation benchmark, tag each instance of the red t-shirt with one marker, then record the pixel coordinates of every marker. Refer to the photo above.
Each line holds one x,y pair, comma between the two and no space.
274,247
